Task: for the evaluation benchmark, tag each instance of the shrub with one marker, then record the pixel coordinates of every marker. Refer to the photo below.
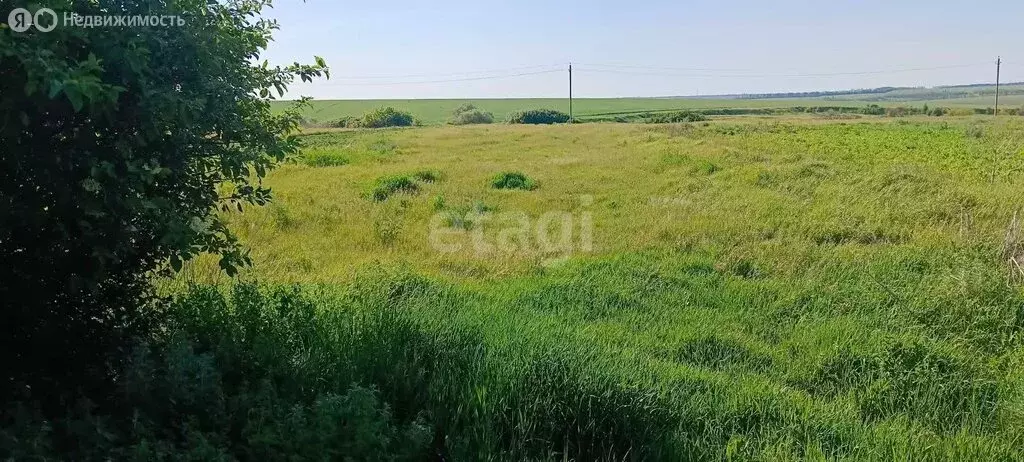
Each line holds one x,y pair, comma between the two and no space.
388,185
464,107
959,112
675,117
937,111
897,111
538,116
346,122
473,116
873,109
145,134
513,180
386,117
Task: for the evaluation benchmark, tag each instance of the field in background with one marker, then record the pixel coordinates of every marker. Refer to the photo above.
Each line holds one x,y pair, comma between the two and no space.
757,289
439,111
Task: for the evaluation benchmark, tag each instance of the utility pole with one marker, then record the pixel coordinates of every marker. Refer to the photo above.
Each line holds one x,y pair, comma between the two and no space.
570,93
999,62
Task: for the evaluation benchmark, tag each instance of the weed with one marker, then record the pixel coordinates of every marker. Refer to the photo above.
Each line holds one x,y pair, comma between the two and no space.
386,186
319,158
513,180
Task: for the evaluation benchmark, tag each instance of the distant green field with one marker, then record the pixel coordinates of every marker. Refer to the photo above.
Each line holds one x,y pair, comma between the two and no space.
438,111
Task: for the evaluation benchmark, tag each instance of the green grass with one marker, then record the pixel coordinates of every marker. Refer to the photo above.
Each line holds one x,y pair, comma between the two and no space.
439,111
755,289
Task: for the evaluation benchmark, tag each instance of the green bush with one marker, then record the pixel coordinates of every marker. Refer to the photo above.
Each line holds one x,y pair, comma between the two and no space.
346,122
513,180
387,117
118,149
959,112
389,185
675,117
467,114
464,107
538,116
897,111
473,116
873,109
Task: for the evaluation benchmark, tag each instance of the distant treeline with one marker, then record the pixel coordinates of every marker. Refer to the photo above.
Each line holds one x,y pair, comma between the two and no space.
871,109
980,85
819,94
896,93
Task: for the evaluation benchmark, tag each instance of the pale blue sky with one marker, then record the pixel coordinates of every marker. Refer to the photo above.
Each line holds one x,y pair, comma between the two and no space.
376,48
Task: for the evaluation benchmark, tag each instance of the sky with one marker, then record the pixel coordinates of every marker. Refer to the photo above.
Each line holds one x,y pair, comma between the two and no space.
521,49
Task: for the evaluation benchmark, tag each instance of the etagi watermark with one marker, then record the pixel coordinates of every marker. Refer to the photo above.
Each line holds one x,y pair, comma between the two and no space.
554,232
46,20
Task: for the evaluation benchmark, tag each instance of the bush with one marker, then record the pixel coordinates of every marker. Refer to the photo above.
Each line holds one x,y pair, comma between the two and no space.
897,111
386,117
538,116
472,116
513,180
873,109
937,111
388,185
464,107
346,122
959,112
674,117
145,134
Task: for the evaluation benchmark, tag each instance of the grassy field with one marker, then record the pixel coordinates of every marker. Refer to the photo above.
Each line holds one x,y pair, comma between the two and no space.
746,289
439,111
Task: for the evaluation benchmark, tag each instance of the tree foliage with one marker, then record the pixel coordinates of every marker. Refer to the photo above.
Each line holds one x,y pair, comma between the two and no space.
538,116
387,117
467,114
119,144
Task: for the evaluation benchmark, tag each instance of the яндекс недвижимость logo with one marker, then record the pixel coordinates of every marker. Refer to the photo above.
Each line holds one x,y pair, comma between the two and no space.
46,19
20,20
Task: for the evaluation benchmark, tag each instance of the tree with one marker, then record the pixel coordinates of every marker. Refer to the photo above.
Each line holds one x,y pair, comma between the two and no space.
119,143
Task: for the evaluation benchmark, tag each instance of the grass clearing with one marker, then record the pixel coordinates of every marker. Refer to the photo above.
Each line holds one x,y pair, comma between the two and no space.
755,289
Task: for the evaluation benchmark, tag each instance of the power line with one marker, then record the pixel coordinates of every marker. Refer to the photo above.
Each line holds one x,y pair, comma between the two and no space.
662,68
466,79
824,74
446,74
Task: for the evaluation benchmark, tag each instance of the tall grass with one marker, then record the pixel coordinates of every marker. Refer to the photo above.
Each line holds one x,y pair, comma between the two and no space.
760,291
638,357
